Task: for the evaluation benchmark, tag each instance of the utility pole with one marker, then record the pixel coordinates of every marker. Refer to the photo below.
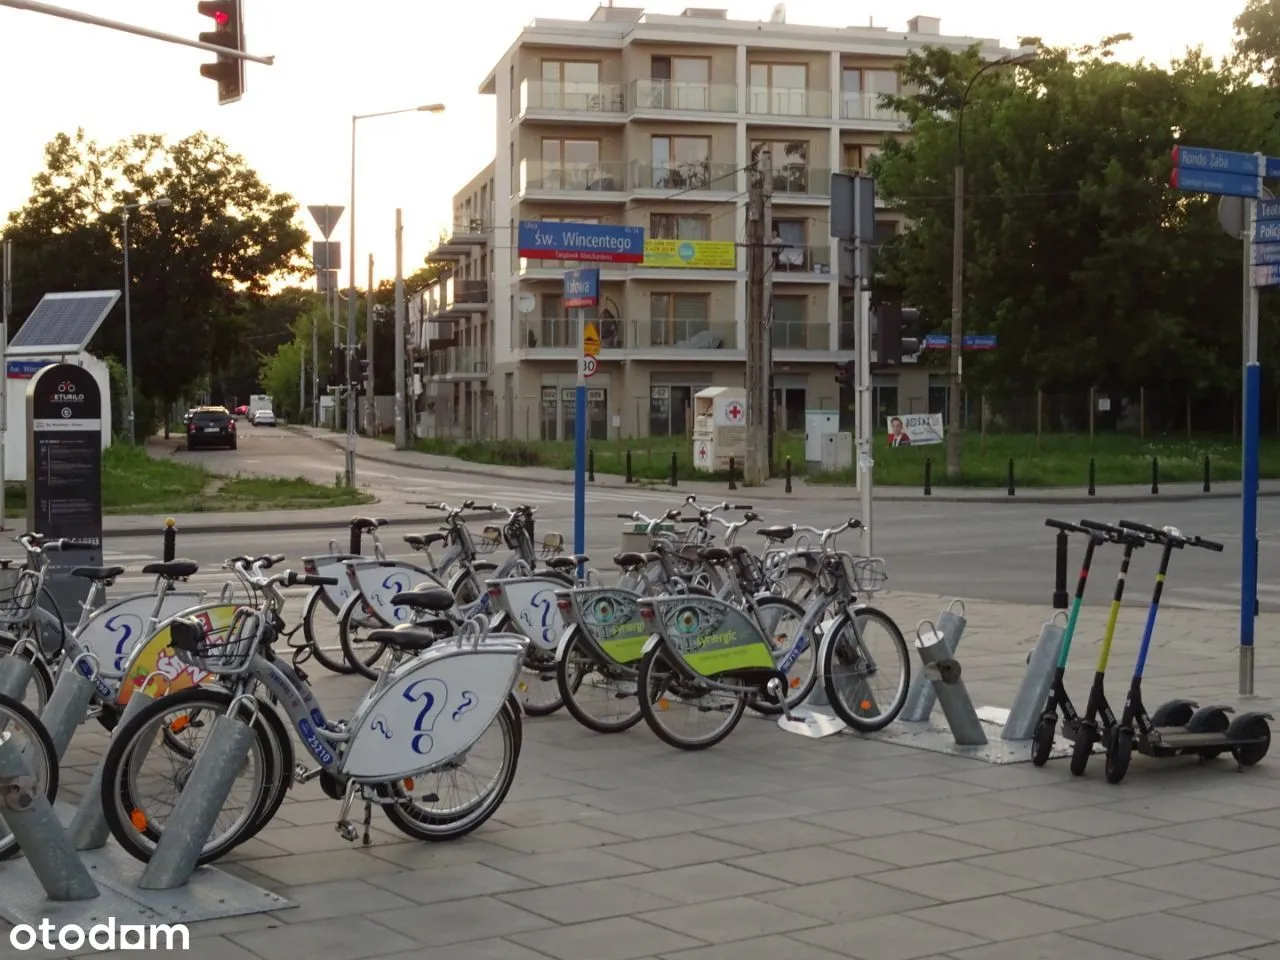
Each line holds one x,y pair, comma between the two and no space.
370,414
6,305
302,379
766,336
315,360
402,439
755,470
957,325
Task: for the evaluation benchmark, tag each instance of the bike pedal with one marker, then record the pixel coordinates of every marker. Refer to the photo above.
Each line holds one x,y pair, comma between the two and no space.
347,830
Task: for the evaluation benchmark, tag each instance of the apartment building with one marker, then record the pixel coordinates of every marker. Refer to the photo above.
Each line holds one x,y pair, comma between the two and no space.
633,118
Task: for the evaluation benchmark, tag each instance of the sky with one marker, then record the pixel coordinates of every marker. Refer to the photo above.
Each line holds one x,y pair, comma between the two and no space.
336,58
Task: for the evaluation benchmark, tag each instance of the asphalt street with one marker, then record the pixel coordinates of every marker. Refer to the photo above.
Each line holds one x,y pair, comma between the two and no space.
998,552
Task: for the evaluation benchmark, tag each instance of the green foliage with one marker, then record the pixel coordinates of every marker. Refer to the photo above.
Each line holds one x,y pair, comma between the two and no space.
1258,39
1078,255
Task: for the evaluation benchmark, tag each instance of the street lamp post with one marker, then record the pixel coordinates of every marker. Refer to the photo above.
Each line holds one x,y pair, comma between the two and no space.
1024,56
128,309
351,292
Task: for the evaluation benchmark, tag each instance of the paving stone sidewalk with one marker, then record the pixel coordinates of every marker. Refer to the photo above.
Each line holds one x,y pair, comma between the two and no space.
774,846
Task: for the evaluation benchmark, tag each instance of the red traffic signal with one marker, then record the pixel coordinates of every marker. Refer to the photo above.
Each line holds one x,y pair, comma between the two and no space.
228,32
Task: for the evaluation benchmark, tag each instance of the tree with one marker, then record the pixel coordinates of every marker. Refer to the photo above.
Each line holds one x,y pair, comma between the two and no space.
1257,42
1091,270
198,266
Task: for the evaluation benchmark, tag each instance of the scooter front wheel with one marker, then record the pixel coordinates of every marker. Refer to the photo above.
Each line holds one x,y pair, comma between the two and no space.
1119,752
1042,739
1086,736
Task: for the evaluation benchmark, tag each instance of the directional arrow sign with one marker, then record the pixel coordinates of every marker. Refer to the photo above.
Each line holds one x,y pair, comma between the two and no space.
326,218
1218,161
1269,209
1266,231
1208,181
1266,253
1267,276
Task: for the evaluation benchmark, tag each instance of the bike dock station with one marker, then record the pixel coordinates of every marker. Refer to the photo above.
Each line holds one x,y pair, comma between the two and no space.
68,872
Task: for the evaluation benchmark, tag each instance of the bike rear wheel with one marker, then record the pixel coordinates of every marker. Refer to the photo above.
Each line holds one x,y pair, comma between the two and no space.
29,737
866,669
603,698
665,693
328,652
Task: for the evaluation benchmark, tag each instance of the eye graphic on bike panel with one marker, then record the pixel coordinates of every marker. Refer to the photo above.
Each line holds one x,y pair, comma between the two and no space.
605,610
687,621
469,700
431,694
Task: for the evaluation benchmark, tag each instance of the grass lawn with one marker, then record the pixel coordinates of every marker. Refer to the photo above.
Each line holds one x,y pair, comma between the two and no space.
134,482
1055,460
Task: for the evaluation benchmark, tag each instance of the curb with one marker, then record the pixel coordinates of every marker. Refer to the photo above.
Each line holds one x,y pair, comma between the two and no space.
275,526
1033,498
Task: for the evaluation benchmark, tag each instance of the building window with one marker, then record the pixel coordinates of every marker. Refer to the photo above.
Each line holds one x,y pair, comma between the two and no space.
670,407
680,320
790,161
790,323
511,92
680,163
511,167
570,164
570,85
779,88
790,244
680,226
860,90
680,83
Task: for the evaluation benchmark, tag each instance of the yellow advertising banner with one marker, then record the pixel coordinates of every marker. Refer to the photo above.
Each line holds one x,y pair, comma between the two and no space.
695,254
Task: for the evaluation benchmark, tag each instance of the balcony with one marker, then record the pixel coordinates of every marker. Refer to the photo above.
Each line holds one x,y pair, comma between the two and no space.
800,262
700,176
557,333
586,101
697,335
867,106
464,296
431,301
800,180
800,335
568,179
464,362
459,241
683,96
789,102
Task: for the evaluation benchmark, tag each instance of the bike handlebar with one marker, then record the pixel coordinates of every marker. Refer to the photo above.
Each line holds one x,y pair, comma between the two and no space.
824,536
1171,536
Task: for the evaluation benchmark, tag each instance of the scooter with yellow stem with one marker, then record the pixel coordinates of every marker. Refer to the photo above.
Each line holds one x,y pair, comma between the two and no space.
1099,719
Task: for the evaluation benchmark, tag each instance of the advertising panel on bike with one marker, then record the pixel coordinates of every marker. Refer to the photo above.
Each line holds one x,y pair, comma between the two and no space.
711,636
380,580
611,619
436,708
530,602
118,627
332,567
914,429
156,655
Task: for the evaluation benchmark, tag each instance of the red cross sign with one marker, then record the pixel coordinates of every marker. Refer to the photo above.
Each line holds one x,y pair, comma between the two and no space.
734,412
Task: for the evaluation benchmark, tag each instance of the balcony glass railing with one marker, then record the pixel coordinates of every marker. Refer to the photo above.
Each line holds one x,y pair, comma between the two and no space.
467,360
800,335
569,177
788,102
866,106
684,334
465,293
572,96
700,175
557,333
800,258
684,95
799,179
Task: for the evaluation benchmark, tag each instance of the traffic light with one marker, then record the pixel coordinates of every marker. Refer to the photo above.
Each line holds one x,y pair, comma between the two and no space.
889,323
914,342
845,373
228,31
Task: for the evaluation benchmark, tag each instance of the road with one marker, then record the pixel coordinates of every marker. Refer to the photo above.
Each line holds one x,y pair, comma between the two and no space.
999,552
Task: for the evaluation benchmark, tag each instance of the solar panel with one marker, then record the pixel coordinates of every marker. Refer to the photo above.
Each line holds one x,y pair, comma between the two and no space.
63,322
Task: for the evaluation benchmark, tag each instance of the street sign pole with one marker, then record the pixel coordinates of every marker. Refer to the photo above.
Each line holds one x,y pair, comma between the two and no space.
582,293
1249,465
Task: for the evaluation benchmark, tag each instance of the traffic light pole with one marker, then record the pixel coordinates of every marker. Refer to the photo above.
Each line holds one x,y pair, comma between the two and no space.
351,322
865,448
90,19
370,408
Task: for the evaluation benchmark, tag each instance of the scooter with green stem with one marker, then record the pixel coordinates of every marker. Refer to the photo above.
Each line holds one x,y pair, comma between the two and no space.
1046,728
1089,731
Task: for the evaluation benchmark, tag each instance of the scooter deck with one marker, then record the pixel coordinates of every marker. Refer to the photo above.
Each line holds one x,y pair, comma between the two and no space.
1176,739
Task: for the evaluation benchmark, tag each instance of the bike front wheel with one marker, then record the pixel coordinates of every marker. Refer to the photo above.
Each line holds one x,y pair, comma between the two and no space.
866,669
780,620
25,734
360,655
685,713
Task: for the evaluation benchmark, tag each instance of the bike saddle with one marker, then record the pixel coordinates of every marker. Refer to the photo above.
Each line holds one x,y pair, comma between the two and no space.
97,573
562,563
626,561
432,600
173,570
420,541
368,523
713,555
780,534
409,637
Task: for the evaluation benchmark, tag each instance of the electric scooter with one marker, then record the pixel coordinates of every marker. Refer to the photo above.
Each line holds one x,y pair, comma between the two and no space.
1088,732
1043,737
1179,728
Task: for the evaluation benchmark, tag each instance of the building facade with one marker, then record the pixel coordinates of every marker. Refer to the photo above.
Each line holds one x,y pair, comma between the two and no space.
653,121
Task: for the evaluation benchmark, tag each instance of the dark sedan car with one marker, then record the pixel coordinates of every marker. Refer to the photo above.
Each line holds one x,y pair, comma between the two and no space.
211,428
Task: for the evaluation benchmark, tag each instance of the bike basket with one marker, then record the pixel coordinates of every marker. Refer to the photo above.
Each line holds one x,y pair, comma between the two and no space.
867,574
18,596
710,636
610,617
552,545
224,652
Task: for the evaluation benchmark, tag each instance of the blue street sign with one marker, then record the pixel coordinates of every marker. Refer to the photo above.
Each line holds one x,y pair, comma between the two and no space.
1271,167
1207,181
1217,161
1267,275
1269,209
580,241
1266,253
1266,231
937,341
582,287
26,369
980,341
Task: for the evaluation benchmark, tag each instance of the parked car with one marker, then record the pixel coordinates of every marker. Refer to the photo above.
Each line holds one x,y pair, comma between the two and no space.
211,427
242,410
263,418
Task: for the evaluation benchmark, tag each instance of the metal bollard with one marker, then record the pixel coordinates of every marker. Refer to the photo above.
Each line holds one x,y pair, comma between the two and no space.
170,539
1206,474
1093,477
732,469
674,467
16,671
89,830
1029,701
591,465
30,818
355,541
921,697
928,476
629,474
788,486
1011,476
201,801
1155,475
69,702
943,671
1061,599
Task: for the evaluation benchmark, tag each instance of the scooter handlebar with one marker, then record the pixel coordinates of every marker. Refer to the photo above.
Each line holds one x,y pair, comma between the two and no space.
1066,526
1207,544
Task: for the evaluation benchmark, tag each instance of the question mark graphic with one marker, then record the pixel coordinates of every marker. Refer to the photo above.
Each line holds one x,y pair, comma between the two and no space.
380,725
468,701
